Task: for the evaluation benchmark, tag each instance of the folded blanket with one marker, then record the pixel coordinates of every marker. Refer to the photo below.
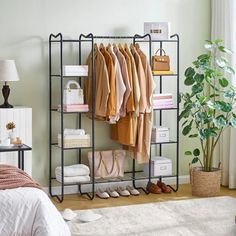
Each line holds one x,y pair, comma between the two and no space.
74,179
12,177
74,170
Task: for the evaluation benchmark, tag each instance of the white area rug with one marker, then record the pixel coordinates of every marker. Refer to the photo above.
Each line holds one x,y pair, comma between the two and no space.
196,217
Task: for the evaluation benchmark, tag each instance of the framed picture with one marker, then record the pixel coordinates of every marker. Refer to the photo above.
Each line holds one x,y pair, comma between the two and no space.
157,30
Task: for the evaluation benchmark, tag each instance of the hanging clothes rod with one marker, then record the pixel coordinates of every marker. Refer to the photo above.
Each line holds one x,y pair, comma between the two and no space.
89,37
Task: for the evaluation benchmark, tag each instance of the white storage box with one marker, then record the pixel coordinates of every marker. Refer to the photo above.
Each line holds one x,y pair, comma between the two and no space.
160,134
157,30
160,166
75,70
74,141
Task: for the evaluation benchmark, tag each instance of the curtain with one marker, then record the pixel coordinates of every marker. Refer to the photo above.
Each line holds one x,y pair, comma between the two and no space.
224,27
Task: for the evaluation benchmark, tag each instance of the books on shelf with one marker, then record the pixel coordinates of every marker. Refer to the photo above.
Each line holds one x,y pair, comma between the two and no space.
163,100
157,72
74,108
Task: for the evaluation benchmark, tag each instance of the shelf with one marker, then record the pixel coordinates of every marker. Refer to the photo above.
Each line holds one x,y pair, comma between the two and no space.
126,178
68,112
158,41
74,148
66,76
170,142
160,109
55,75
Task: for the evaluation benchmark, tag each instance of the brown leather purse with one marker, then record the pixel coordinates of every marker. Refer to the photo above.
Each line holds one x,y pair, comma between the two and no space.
160,63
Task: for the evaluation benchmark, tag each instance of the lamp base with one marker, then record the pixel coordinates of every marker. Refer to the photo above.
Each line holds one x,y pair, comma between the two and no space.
6,93
6,105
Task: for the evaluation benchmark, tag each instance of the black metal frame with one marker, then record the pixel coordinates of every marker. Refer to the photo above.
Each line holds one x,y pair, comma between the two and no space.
167,109
90,38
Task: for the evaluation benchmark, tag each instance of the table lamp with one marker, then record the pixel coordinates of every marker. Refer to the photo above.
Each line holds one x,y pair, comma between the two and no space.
8,72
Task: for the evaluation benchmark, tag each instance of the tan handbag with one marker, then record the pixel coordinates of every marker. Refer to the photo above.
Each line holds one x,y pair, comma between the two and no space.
107,164
160,63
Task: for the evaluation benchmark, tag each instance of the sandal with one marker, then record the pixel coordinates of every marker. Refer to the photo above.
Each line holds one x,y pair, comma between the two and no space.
153,188
164,187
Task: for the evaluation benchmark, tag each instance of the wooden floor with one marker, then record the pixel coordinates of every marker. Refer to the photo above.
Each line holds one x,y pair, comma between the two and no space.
77,202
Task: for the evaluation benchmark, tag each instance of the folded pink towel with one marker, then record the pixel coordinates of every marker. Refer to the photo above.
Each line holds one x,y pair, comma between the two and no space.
12,177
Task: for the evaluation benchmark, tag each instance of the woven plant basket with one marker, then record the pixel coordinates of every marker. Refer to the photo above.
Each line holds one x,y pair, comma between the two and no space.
205,184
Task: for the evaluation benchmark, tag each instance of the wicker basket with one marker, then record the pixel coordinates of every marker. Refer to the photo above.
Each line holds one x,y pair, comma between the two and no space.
205,184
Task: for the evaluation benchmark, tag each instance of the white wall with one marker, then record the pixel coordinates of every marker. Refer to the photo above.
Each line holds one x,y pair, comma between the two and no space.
26,25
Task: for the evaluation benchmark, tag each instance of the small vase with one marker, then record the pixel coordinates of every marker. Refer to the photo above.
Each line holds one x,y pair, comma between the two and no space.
12,136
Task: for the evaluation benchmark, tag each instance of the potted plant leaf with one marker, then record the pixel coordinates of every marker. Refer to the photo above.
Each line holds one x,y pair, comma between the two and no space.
207,112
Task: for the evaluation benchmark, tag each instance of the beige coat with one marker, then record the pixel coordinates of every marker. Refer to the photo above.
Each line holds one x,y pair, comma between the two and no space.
142,148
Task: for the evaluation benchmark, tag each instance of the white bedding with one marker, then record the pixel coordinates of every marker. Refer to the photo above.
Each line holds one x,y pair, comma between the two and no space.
29,211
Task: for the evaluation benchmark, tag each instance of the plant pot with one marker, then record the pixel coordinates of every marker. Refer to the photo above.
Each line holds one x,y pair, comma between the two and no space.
205,184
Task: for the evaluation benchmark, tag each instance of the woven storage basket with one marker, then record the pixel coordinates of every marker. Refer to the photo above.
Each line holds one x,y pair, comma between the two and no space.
205,184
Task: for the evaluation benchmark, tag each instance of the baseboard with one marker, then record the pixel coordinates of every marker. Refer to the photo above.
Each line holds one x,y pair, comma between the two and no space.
73,189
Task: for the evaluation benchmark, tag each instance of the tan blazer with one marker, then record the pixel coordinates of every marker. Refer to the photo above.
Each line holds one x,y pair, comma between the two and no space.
130,102
102,87
149,78
141,79
111,103
136,88
120,86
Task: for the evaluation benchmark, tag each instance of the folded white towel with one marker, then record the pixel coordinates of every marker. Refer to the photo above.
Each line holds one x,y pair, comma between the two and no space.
73,170
74,131
74,179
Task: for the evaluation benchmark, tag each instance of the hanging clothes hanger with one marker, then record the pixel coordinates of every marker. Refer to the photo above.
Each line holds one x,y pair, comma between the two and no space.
126,45
95,47
101,46
120,46
132,46
137,46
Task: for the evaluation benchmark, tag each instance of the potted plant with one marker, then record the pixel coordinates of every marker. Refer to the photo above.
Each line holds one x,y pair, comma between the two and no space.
207,111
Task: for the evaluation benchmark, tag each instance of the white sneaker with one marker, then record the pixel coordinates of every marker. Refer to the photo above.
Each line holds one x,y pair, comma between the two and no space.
132,190
123,192
102,194
112,193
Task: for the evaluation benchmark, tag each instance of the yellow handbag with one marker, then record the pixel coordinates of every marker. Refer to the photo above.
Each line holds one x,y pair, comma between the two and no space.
160,63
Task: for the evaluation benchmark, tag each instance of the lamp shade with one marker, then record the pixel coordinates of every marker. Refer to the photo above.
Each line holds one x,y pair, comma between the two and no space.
8,71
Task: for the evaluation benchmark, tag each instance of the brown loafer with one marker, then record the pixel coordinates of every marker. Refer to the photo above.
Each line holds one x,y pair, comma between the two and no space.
153,188
164,187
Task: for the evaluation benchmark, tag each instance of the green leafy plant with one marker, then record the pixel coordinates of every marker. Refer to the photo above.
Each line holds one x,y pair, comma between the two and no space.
208,108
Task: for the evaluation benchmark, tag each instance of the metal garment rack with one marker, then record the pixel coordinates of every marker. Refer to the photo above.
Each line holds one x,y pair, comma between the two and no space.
90,39
174,39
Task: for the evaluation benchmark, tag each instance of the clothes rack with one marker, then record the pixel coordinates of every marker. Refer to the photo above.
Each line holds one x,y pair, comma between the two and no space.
90,38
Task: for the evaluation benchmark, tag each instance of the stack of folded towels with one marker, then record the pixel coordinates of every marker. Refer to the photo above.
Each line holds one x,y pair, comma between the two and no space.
73,174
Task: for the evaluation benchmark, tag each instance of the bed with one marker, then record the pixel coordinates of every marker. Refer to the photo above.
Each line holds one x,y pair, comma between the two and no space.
26,211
